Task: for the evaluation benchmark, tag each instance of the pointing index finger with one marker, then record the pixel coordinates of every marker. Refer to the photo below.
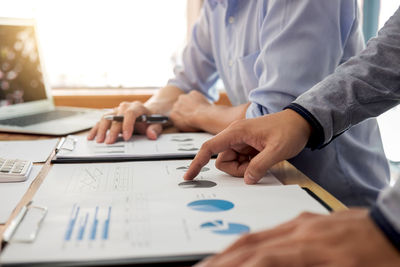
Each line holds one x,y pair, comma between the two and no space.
219,143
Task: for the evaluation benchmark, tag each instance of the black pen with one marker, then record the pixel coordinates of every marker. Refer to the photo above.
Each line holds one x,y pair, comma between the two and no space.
154,118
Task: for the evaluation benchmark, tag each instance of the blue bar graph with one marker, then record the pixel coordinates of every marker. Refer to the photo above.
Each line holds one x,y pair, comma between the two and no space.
107,224
94,226
88,223
71,223
83,227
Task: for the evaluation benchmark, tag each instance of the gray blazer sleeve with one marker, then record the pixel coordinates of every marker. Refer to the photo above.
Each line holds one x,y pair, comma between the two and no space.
386,213
365,86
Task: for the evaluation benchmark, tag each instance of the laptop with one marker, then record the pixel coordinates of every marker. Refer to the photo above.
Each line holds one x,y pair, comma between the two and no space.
26,103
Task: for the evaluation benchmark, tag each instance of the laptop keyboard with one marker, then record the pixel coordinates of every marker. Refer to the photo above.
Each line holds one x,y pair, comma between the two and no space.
39,117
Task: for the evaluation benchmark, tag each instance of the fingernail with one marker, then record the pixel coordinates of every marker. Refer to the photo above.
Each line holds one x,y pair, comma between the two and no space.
153,134
250,179
126,135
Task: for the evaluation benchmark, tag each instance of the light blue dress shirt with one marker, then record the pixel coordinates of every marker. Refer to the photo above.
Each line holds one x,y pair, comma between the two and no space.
268,52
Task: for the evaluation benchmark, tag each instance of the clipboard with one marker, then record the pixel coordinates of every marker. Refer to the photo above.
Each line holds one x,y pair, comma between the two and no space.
165,261
77,149
180,229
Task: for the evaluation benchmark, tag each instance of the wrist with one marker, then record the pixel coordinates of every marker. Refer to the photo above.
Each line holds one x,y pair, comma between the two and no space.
302,125
316,137
155,106
151,108
162,101
199,116
385,226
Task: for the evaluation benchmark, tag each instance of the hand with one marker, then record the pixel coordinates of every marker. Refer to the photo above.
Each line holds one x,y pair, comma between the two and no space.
187,109
347,238
130,111
250,147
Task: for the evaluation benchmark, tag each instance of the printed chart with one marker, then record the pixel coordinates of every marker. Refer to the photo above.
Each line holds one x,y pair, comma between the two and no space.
211,205
225,228
100,179
88,224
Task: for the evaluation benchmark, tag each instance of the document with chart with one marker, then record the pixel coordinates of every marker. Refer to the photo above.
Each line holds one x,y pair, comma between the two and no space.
137,212
176,145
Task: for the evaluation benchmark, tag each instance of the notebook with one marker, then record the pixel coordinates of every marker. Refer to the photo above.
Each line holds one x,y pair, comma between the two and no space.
26,103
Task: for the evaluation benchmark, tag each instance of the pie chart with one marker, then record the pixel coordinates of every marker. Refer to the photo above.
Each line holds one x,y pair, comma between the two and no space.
197,184
221,227
211,205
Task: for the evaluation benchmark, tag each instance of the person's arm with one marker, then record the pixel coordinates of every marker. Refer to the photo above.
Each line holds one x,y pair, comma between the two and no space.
297,52
346,238
196,76
163,101
286,66
216,118
301,43
250,147
365,86
193,112
197,70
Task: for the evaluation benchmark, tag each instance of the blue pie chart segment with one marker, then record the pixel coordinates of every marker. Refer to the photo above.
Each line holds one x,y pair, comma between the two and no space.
218,227
211,205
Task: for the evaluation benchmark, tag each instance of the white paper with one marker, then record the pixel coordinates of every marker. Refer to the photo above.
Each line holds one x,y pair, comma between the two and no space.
137,209
12,193
32,150
140,147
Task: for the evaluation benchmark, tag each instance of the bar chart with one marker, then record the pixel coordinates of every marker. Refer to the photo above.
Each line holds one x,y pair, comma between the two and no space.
88,224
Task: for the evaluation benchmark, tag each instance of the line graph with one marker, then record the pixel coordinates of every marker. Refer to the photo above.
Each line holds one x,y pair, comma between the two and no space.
90,181
101,179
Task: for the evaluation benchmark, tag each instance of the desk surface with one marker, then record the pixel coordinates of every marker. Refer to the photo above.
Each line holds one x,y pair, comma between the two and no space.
284,171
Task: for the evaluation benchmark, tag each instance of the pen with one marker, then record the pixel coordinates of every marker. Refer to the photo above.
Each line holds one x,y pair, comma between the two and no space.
154,118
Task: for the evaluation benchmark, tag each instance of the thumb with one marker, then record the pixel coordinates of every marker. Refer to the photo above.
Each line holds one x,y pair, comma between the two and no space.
258,166
153,131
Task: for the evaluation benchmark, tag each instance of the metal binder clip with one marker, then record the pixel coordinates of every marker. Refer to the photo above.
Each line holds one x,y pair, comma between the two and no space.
25,226
67,143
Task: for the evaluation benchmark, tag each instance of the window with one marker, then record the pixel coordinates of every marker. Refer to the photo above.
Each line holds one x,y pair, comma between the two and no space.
106,43
389,122
387,10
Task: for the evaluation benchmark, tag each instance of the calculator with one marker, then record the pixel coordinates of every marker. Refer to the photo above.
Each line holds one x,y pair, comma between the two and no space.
14,170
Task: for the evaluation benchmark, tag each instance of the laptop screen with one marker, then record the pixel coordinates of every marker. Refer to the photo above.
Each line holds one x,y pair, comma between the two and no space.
21,78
